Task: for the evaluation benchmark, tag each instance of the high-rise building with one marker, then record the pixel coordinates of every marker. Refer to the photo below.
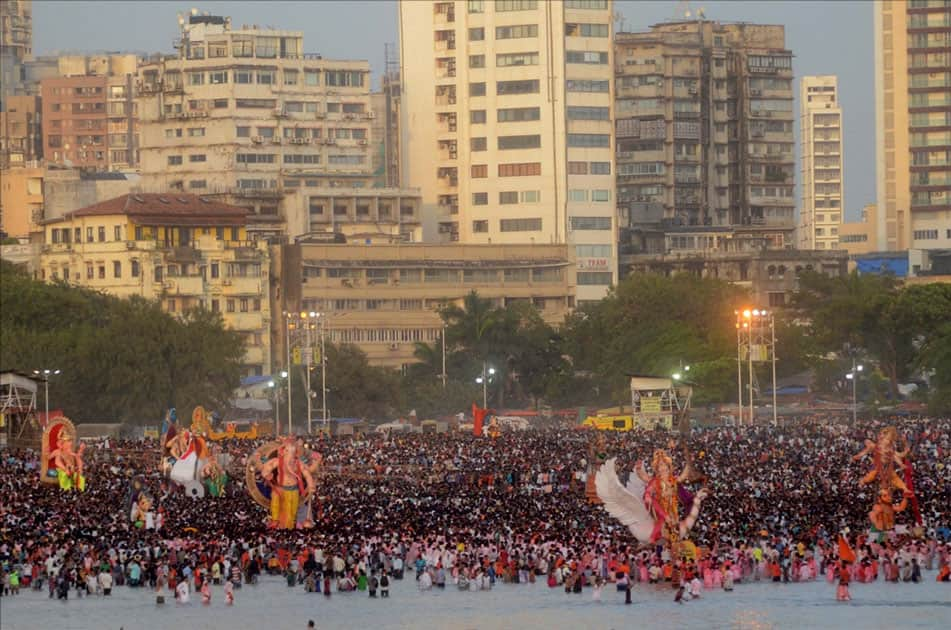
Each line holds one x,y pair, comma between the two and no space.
16,45
704,137
507,125
913,123
21,140
89,117
246,115
821,155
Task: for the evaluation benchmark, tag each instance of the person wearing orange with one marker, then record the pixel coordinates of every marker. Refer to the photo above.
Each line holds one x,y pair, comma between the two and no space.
842,592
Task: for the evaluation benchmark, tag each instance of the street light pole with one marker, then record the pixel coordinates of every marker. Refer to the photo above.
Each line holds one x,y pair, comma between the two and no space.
739,374
323,372
310,360
485,390
290,397
854,376
772,330
46,374
444,356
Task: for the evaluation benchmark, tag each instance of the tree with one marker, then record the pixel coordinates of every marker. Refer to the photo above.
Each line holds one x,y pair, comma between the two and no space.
357,389
121,359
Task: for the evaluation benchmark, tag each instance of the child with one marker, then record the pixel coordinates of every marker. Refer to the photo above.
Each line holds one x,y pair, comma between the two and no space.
679,597
596,591
385,586
842,593
229,593
205,593
373,584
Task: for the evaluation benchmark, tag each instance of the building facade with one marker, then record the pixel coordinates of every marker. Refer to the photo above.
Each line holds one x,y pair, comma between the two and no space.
385,298
770,275
246,115
21,139
358,215
704,137
89,113
21,200
184,250
16,46
821,168
506,122
913,123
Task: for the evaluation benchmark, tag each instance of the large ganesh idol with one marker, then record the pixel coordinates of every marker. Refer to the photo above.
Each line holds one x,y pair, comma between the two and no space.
61,462
280,478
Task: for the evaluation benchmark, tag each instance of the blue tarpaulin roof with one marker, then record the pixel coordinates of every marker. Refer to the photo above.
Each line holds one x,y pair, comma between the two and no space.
880,265
255,380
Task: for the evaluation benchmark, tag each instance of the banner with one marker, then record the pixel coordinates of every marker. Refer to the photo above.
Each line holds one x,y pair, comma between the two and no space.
478,417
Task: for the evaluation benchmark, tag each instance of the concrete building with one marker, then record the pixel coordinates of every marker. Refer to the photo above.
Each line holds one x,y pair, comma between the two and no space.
16,46
913,123
384,298
771,275
821,162
860,237
506,122
245,115
184,250
89,117
21,140
65,189
704,137
360,215
21,200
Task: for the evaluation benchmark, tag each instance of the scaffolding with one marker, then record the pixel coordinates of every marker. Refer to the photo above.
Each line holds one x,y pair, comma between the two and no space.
18,423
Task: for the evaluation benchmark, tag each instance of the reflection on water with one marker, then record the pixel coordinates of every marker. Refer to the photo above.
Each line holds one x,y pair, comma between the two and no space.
273,606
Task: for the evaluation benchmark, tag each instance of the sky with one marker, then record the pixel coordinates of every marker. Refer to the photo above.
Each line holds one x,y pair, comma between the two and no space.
825,37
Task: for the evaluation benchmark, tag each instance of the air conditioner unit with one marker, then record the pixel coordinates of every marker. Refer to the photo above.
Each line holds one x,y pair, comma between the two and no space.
692,90
394,346
371,115
363,143
257,139
320,115
130,244
330,141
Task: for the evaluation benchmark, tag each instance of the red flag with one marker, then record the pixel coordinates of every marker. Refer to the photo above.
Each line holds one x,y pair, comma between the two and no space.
478,415
845,551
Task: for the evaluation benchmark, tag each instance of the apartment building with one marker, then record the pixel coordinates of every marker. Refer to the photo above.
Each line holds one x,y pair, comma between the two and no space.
859,237
89,113
704,137
184,250
385,298
246,115
21,140
360,215
821,167
506,116
913,123
21,199
16,45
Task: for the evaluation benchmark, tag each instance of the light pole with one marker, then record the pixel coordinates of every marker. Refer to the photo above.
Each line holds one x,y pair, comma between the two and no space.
739,369
444,356
46,374
484,381
287,351
854,376
277,413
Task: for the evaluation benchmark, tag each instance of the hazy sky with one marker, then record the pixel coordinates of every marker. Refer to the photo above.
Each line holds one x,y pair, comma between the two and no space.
825,37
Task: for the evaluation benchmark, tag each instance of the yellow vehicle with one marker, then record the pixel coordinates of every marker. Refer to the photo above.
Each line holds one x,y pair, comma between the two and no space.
609,423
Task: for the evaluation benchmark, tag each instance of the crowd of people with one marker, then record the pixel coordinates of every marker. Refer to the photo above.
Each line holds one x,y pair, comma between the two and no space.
450,509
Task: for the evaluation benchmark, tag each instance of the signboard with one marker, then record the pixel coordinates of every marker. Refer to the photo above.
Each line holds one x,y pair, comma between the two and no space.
150,432
593,263
650,405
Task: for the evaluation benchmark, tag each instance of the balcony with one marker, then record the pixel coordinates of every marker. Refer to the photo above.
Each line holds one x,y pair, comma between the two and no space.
185,285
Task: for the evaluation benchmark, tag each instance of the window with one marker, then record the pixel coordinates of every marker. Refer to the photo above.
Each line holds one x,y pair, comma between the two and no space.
243,76
594,278
517,87
530,196
302,158
218,77
476,34
577,168
116,269
229,305
311,77
480,226
170,305
526,169
476,61
348,160
255,103
477,89
116,233
476,6
196,78
588,113
592,251
508,197
600,195
577,195
198,157
174,160
290,77
478,171
173,133
585,85
480,199
477,144
519,142
589,140
517,31
587,5
923,235
590,223
586,56
243,132
101,272
255,158
518,114
266,132
516,59
600,168
515,5
477,116
520,225
587,30
344,78
196,132
102,234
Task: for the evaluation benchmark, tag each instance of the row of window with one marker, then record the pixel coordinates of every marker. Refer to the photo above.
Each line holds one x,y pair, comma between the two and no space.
97,234
581,195
525,169
478,6
508,197
332,78
418,276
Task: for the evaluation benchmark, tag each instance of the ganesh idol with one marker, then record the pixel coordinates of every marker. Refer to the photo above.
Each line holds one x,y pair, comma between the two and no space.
289,479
